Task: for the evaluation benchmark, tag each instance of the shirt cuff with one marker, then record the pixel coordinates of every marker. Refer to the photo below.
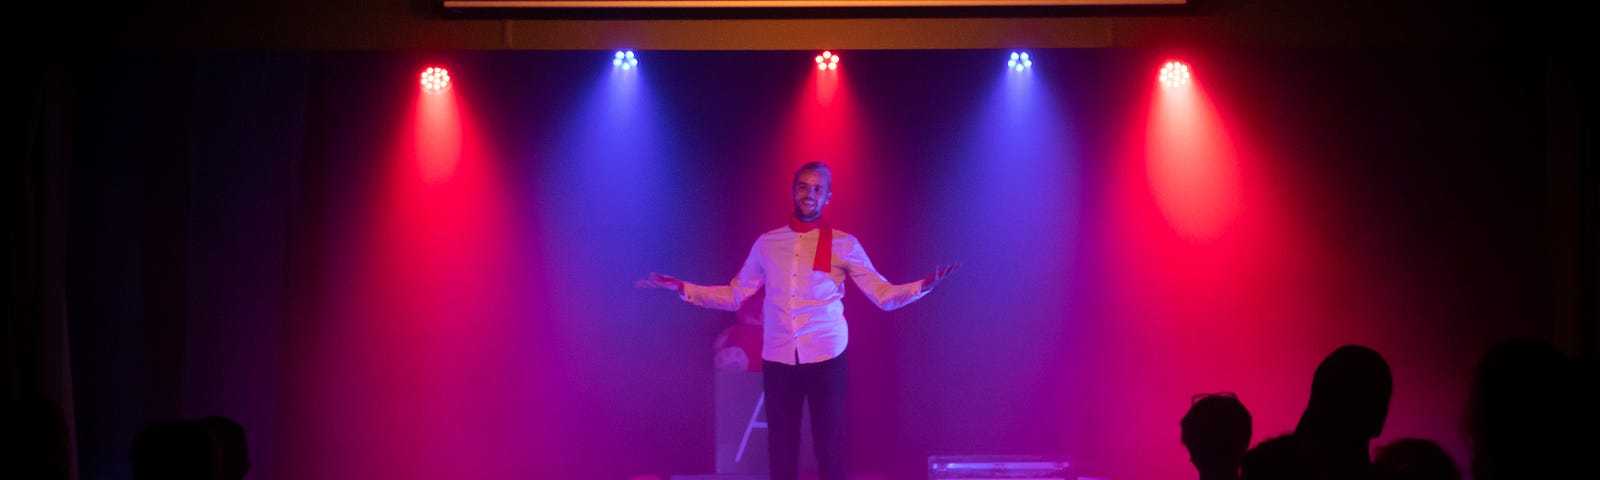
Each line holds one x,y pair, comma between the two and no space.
917,291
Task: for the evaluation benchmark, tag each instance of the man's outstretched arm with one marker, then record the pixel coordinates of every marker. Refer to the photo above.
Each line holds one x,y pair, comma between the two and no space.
938,275
665,282
886,295
721,297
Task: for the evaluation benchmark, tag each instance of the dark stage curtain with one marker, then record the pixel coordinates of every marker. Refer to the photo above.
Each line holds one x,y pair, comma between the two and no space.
38,373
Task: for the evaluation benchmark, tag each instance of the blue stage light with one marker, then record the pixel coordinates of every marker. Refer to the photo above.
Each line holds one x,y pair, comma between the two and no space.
624,59
1019,61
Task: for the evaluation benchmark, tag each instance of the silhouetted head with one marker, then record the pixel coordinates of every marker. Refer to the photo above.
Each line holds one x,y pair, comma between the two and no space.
175,450
1349,397
231,439
1217,432
1519,419
1415,459
1276,458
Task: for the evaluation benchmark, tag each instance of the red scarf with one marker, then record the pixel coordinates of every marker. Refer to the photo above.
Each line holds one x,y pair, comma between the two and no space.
823,261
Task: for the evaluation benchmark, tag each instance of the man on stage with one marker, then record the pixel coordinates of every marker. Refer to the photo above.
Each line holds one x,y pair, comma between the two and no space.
803,265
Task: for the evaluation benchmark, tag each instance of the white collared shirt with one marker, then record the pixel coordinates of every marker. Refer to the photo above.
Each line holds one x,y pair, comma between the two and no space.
803,318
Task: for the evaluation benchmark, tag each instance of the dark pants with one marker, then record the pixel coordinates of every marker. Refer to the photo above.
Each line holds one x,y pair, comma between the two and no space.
822,384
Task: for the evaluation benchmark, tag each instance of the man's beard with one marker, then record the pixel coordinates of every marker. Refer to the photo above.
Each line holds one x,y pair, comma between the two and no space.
802,217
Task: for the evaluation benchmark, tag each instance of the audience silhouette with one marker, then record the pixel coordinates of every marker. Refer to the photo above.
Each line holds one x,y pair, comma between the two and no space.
175,450
1276,458
229,436
212,448
1216,431
1415,459
1349,403
1530,415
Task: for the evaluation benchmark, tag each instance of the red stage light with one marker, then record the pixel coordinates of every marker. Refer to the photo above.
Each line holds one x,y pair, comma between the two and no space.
827,61
1174,74
435,80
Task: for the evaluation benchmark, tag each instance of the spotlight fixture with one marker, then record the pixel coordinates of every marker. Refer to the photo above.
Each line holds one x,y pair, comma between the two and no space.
827,61
435,80
625,60
1174,74
1019,61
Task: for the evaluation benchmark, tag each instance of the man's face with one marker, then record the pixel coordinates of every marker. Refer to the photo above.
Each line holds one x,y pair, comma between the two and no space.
810,194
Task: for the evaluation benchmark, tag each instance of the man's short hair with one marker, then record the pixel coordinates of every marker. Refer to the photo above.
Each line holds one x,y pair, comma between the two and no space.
819,167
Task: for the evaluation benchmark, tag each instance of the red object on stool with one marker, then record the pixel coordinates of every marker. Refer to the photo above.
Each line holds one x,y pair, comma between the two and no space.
738,348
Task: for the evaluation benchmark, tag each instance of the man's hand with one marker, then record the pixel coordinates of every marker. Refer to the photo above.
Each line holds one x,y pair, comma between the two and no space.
657,280
938,274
